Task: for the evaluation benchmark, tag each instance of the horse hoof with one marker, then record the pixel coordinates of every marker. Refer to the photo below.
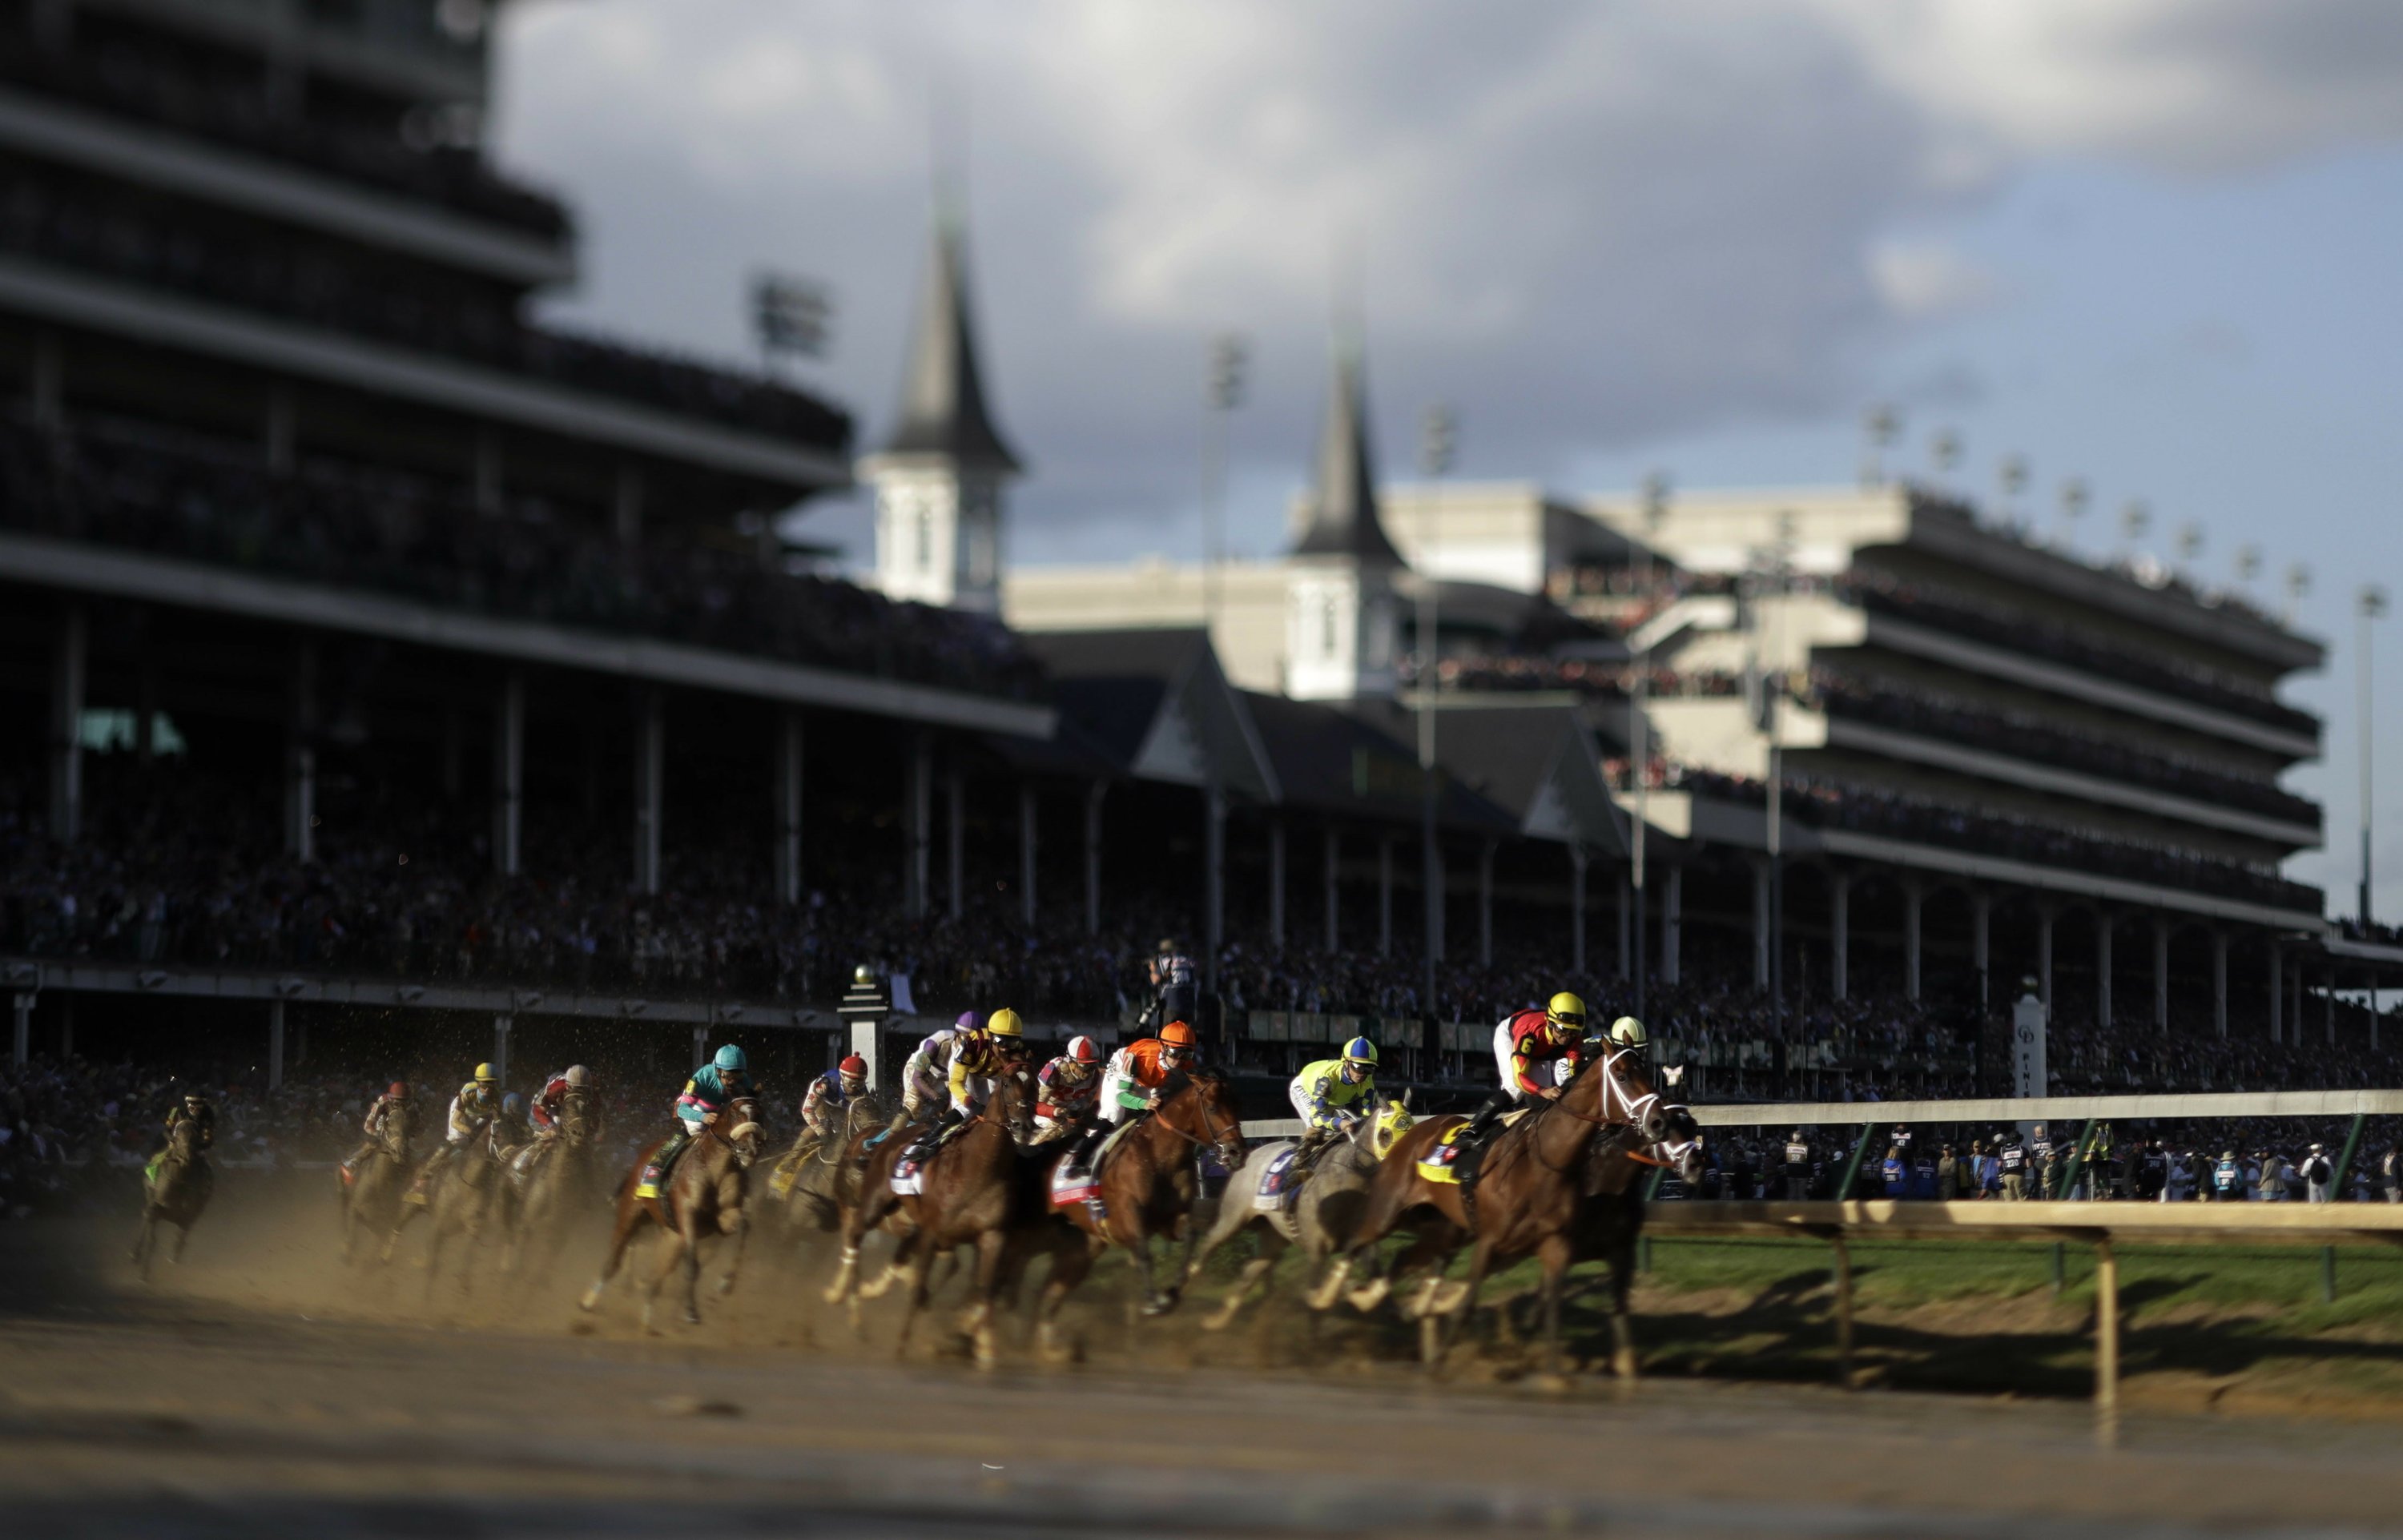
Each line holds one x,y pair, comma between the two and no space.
1221,1318
590,1299
692,1318
1368,1297
1448,1299
1324,1296
1622,1364
1159,1304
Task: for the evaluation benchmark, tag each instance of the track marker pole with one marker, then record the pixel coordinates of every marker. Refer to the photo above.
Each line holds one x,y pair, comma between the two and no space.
1844,1313
2106,1331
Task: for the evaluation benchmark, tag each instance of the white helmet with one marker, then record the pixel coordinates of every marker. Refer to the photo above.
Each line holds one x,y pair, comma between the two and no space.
577,1076
1627,1033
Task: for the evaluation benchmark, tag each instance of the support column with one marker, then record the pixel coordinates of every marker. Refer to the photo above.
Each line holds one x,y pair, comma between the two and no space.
917,827
2219,982
70,667
1334,878
20,1040
145,710
790,743
274,1045
650,786
1485,904
508,772
1276,883
282,432
1431,874
1576,908
1760,924
955,836
1914,898
301,757
1026,837
1214,886
1626,926
1840,923
1672,927
2102,967
2044,916
2162,972
626,505
1094,857
1385,895
502,1025
2277,991
1981,943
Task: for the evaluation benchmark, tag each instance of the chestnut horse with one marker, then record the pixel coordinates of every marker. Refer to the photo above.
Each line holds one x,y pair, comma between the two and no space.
975,1190
555,1179
1148,1187
174,1192
1527,1201
703,1197
371,1197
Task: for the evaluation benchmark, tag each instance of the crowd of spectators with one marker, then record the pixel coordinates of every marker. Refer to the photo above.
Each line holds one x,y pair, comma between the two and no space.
74,225
390,531
190,91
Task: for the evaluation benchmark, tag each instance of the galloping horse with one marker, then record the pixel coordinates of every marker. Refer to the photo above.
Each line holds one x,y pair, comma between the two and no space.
1148,1187
371,1197
1610,1220
1320,1218
174,1191
555,1178
1527,1199
826,1178
704,1196
466,1198
976,1189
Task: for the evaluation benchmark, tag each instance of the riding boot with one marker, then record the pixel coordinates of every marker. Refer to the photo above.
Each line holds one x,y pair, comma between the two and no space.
950,1119
656,1174
1473,1138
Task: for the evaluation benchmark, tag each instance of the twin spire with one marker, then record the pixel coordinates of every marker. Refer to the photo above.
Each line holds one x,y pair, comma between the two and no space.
943,410
1344,519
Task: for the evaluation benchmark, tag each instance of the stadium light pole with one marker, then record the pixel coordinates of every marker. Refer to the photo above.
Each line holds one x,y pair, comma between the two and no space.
1770,575
1880,427
1639,724
1437,440
1223,392
2370,607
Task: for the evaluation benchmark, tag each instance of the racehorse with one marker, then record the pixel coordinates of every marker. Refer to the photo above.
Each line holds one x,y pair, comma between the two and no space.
1148,1187
553,1179
974,1189
703,1197
175,1191
1527,1199
467,1197
371,1197
1610,1220
820,1176
1320,1218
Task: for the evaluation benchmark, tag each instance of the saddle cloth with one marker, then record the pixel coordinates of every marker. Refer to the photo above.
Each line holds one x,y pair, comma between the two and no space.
1074,1182
909,1176
1440,1163
1279,1182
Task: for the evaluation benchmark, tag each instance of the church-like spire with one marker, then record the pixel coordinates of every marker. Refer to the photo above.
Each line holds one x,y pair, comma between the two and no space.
942,395
1344,515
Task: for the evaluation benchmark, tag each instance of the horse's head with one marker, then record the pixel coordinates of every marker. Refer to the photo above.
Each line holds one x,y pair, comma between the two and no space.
1612,1090
743,1137
184,1140
576,1118
1375,1136
1012,1103
1203,1109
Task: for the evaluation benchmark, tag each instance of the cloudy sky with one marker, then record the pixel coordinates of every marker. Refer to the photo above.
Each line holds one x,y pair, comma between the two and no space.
2153,243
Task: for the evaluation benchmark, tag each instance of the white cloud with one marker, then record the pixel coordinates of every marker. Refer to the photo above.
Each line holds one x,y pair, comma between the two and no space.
1587,225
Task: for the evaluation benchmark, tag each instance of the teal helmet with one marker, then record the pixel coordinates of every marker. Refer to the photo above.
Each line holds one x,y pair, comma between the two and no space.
730,1061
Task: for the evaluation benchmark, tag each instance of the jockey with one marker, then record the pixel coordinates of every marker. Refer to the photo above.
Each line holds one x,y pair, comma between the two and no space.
1325,1093
1628,1038
710,1091
831,1095
543,1113
1068,1088
1138,1070
510,1128
472,1110
1530,1049
925,1079
194,1108
980,1056
388,1113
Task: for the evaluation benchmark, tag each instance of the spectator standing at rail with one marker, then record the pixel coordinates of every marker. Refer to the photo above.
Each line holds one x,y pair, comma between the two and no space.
2390,1172
2011,1164
1923,1175
2319,1175
1892,1174
2227,1179
1798,1168
2180,1187
2153,1172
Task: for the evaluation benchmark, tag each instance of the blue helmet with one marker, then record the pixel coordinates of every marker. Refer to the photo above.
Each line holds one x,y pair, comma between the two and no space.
730,1061
512,1102
1360,1052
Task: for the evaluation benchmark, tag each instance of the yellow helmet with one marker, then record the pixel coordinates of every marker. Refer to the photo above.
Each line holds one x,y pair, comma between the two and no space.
484,1075
1004,1023
1566,1010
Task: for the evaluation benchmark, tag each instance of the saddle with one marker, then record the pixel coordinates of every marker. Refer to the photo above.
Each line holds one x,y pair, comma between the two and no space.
1454,1154
911,1167
1282,1182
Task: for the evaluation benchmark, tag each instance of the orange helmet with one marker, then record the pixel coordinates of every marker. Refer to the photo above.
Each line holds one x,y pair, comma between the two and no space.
1176,1035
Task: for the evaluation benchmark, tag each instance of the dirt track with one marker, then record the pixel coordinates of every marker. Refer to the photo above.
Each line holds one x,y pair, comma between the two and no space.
256,1390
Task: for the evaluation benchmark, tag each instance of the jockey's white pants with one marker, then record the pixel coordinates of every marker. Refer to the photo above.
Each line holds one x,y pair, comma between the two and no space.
1113,1082
1502,1060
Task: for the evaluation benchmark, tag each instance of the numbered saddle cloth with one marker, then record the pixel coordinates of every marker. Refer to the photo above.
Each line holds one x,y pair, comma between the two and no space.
1074,1182
1280,1182
908,1176
1438,1162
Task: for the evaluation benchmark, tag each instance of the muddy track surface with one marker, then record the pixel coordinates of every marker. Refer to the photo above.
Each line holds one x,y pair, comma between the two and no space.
261,1391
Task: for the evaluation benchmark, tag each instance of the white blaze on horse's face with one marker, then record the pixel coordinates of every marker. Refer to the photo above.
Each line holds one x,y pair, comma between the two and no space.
1641,1112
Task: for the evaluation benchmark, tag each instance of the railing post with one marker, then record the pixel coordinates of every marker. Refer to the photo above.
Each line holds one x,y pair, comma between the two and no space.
2343,1172
2077,1157
2106,1331
1844,1312
1853,1166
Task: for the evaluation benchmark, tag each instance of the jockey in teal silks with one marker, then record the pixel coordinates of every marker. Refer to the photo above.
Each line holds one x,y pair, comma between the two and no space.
711,1091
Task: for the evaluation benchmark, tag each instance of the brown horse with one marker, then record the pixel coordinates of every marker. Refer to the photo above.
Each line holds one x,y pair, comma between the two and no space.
466,1198
818,1177
1610,1221
554,1179
975,1190
371,1197
703,1195
1148,1188
1527,1199
174,1191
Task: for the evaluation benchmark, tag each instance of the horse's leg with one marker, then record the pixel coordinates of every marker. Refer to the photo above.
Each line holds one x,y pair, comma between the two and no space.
989,1245
146,1243
691,1235
1448,1326
671,1248
1622,1323
434,1254
1557,1255
1274,1246
921,1262
1071,1260
619,1234
182,1239
741,1233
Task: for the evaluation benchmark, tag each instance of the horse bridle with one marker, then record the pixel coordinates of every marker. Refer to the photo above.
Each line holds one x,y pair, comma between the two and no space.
1210,1138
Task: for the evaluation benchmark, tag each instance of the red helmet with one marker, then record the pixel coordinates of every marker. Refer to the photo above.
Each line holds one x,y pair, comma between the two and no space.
1176,1035
398,1090
1081,1049
854,1065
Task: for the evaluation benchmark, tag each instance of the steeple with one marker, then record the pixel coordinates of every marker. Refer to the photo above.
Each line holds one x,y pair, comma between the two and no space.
943,394
1343,519
938,478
